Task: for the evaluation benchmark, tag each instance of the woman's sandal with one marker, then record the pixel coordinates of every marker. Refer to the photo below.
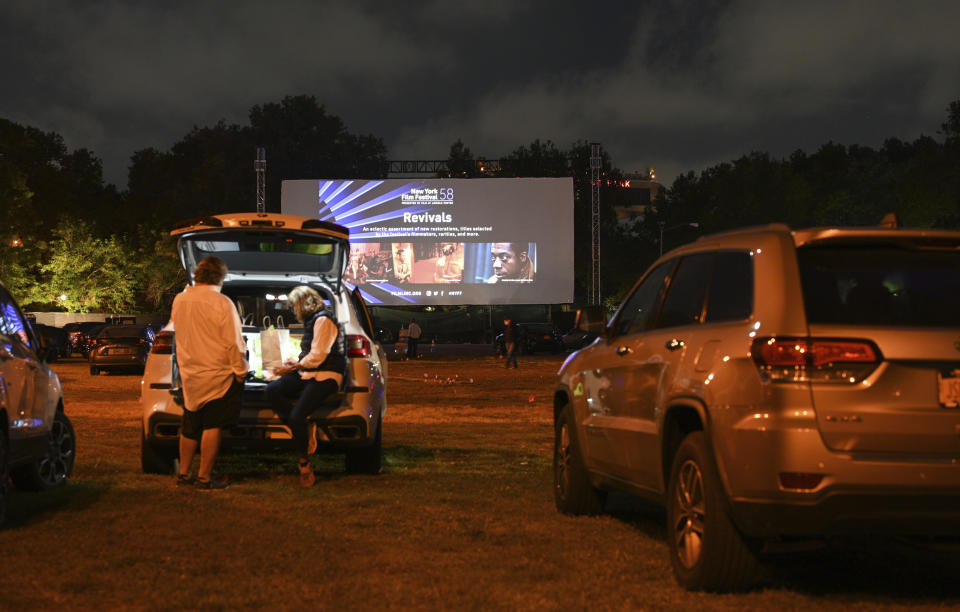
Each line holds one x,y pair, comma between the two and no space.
306,473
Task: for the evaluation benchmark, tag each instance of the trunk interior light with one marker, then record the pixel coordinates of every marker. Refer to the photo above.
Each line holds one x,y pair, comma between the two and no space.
815,359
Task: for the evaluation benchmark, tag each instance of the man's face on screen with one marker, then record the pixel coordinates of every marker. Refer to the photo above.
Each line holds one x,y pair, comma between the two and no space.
506,263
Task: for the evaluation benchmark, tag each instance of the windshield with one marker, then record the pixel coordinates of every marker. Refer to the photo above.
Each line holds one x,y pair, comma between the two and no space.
881,285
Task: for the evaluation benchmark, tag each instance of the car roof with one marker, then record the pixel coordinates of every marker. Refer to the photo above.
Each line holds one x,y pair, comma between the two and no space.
949,239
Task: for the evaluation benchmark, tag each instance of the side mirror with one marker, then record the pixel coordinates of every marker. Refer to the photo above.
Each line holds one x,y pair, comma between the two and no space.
591,320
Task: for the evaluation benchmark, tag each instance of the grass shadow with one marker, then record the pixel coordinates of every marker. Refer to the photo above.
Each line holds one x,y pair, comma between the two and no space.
874,569
644,516
27,507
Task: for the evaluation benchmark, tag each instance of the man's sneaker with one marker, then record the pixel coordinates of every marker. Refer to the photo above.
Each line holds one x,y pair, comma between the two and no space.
185,479
210,484
311,438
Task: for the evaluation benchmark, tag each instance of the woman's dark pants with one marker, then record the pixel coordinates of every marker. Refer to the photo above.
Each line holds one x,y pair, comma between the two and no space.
309,395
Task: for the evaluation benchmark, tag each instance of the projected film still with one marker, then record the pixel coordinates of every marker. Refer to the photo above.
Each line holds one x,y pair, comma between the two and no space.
449,241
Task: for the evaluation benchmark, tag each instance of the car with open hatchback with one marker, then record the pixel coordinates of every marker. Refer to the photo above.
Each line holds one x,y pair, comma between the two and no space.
267,255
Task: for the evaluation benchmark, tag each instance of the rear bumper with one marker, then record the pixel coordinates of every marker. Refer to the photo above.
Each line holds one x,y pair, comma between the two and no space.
259,427
116,361
927,513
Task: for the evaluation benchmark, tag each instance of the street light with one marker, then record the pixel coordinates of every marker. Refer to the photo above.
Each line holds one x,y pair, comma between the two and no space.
672,227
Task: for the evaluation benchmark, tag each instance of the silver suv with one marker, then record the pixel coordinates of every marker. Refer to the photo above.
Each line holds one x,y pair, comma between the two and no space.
267,255
766,384
37,443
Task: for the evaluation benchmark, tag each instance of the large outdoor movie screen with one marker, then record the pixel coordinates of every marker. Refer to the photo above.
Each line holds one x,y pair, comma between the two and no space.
449,241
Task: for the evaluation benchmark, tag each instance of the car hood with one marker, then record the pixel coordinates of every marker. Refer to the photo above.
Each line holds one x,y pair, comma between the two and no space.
266,247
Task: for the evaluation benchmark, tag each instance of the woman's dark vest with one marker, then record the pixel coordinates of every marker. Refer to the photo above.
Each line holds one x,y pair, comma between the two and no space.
336,360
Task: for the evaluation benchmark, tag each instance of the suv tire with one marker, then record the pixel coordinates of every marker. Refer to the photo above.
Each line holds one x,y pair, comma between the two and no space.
4,474
367,459
572,490
54,467
154,460
706,550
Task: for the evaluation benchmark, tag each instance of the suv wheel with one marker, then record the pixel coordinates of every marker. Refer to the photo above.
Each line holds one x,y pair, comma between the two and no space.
367,459
706,550
572,490
154,460
54,467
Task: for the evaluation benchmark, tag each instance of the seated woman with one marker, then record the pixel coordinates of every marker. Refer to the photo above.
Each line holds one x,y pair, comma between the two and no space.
311,378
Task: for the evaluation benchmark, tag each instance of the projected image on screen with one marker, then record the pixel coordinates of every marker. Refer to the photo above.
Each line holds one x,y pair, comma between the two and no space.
449,241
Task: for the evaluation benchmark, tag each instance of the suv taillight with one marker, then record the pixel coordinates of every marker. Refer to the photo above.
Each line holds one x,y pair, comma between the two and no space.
828,360
357,346
162,344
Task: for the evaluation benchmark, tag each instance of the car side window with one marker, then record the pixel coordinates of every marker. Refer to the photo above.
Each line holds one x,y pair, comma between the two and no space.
730,297
684,302
638,310
12,322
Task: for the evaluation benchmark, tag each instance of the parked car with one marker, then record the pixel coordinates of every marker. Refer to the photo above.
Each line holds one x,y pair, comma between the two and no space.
770,385
267,255
37,443
120,347
533,337
56,341
82,335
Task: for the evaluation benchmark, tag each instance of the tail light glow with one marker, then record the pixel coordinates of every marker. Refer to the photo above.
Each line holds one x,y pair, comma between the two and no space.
162,344
357,346
832,360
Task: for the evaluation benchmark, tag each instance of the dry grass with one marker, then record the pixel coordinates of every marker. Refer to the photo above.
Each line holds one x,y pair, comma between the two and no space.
462,518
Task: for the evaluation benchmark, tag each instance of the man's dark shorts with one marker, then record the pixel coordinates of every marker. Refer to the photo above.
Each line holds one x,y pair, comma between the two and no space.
220,413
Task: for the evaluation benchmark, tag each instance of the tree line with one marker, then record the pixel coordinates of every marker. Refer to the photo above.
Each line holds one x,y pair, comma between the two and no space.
72,242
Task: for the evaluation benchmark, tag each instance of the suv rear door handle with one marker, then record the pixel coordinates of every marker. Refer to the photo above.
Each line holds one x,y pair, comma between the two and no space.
674,344
623,350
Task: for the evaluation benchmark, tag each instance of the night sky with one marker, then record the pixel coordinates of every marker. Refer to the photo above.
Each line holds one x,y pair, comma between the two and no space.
677,85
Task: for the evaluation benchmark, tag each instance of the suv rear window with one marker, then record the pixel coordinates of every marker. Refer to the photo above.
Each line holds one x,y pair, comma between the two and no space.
881,285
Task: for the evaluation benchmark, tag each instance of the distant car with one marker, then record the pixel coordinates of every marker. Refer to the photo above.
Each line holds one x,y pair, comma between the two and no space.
37,444
56,341
770,386
533,338
576,339
80,334
122,347
267,255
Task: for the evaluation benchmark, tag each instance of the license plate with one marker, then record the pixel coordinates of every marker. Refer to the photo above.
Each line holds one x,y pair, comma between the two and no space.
950,391
121,351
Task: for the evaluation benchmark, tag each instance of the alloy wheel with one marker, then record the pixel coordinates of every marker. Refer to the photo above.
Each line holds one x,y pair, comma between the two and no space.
689,514
55,465
563,461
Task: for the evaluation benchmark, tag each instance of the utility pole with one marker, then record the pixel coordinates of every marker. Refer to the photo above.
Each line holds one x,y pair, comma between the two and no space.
260,166
595,223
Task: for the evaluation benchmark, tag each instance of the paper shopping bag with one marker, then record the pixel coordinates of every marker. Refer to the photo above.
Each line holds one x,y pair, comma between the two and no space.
270,348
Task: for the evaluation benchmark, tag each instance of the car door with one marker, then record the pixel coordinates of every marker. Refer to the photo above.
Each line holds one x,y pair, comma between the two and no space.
618,394
22,371
650,355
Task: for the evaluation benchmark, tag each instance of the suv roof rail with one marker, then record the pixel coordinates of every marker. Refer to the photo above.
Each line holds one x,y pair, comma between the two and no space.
753,229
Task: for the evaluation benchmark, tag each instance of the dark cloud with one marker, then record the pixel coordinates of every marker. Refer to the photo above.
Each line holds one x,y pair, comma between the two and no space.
676,85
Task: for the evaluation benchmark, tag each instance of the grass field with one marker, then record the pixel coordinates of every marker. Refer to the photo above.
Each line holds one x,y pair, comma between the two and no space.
461,518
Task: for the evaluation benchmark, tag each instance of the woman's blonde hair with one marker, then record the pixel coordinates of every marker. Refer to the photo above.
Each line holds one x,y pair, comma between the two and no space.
305,302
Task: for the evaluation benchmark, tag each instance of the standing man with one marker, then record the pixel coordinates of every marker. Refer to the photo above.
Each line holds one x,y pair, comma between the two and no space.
414,332
210,353
510,338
